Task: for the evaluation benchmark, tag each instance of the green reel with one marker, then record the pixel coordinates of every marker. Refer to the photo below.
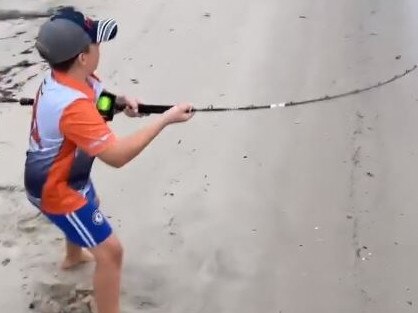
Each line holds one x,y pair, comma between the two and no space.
106,105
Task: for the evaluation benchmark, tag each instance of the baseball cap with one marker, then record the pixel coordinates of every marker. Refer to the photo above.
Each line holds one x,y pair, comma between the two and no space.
69,32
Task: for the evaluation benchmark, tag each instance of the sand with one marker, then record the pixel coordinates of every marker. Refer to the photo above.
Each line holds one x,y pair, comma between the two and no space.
307,209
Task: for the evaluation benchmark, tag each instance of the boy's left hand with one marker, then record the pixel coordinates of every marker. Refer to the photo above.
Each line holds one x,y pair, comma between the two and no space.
131,108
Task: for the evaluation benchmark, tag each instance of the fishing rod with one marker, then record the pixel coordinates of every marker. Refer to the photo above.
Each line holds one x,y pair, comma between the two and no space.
108,106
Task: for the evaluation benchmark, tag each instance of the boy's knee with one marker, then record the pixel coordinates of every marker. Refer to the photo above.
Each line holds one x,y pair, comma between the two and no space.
116,251
110,251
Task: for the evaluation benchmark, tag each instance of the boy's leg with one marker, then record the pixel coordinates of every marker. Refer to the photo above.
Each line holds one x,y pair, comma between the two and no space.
108,256
75,255
87,227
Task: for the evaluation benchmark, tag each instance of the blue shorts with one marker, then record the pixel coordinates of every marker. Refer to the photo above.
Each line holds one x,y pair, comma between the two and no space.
86,227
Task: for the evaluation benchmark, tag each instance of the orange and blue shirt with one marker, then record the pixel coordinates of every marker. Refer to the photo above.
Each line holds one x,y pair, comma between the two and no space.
67,133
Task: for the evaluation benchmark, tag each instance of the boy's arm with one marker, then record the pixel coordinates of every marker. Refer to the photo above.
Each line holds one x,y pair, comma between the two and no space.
82,124
125,149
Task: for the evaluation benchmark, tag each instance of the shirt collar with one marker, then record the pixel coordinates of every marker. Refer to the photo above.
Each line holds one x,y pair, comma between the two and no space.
69,81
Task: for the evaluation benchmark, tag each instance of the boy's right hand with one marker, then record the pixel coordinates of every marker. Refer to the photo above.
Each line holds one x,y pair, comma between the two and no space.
178,113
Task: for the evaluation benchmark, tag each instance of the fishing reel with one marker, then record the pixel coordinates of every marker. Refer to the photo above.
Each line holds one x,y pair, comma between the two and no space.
107,106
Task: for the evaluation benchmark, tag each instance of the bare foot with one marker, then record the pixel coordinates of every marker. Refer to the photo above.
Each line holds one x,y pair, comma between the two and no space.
83,257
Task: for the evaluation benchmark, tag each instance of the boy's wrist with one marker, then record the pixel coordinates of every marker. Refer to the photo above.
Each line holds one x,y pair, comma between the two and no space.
162,121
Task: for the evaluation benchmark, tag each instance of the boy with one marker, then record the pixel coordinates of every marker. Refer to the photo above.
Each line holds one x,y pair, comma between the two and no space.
67,133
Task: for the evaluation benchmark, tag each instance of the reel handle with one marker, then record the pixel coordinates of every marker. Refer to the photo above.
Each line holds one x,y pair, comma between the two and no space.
153,109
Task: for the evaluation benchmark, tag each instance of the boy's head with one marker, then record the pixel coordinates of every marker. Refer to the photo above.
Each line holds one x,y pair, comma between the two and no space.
69,39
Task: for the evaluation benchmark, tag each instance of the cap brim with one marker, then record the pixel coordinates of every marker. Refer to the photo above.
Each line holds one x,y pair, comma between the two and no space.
104,30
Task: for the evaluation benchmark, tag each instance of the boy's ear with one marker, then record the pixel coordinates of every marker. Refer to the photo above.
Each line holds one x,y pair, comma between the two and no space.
82,58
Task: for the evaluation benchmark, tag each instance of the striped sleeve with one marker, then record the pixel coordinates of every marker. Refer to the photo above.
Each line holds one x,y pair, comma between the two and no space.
82,124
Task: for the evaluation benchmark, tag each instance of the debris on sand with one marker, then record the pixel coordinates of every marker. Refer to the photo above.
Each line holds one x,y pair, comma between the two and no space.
27,15
11,188
17,14
27,51
6,93
5,262
23,64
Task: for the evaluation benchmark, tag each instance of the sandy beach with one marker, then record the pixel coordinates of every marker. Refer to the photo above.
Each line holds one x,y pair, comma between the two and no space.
295,210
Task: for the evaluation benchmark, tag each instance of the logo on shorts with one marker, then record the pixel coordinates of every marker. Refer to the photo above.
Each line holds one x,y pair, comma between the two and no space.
98,218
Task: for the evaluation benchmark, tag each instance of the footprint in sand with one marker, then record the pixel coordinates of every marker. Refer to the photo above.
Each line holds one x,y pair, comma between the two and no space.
29,224
143,303
54,296
8,243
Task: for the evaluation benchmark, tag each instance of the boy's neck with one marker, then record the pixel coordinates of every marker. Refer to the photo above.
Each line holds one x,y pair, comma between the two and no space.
78,74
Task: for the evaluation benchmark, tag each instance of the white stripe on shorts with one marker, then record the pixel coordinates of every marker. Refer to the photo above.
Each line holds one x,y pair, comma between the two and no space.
73,223
84,229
